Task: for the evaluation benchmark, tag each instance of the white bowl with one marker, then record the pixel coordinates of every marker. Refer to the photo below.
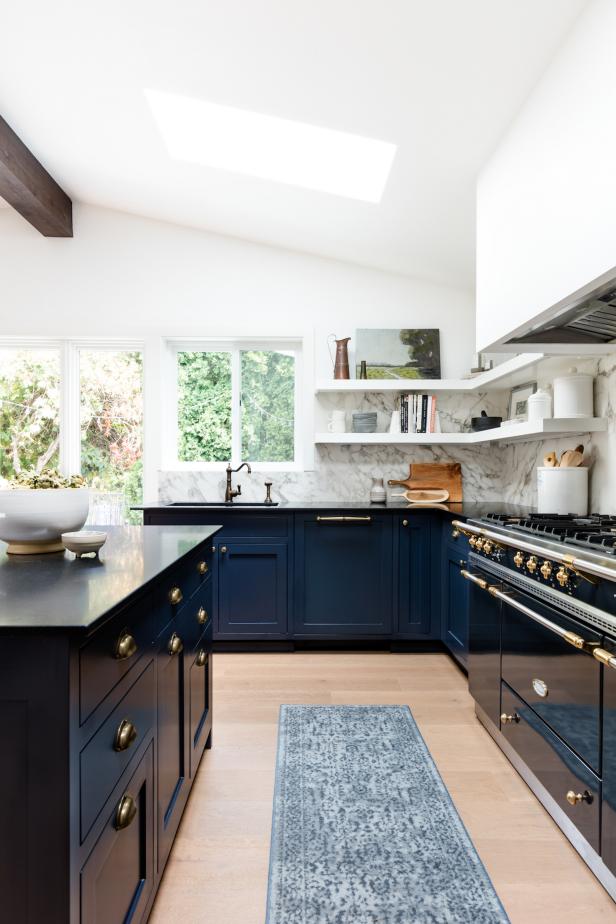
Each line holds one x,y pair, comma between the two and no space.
83,542
33,519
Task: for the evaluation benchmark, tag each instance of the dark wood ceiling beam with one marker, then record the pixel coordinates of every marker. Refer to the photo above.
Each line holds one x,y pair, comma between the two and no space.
26,185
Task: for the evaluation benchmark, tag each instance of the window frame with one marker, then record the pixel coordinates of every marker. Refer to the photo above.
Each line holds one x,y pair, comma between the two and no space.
234,346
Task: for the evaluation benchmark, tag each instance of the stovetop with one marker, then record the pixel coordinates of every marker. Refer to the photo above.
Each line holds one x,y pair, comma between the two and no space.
595,532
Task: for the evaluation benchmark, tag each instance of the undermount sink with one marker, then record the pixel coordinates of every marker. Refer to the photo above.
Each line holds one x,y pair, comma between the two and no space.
222,504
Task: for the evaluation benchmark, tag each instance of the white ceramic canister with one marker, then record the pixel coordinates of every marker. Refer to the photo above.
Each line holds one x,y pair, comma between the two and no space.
562,490
573,395
539,405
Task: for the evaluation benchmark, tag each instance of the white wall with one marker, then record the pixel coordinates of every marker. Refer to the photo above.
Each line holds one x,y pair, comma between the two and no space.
546,201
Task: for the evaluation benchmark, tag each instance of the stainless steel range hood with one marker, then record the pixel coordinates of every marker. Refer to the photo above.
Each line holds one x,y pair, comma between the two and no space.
589,319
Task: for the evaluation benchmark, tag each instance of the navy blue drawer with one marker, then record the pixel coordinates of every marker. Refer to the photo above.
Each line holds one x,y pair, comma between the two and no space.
171,595
555,765
100,763
194,616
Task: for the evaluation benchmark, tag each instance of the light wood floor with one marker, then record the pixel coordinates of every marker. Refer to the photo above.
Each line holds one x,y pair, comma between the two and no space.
217,873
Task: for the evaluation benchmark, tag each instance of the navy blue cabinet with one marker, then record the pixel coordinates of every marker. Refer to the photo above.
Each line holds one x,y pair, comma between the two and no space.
343,575
415,561
455,602
252,581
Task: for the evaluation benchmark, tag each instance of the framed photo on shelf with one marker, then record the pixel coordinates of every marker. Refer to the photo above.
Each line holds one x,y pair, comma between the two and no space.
518,400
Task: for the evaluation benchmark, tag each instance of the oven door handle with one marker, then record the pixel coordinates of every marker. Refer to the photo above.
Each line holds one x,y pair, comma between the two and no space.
481,582
570,637
605,657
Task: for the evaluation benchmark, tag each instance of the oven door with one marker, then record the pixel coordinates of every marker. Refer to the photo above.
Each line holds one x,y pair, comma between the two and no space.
608,839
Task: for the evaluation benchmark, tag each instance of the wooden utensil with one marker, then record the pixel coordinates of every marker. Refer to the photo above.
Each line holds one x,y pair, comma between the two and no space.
550,460
434,475
427,496
571,458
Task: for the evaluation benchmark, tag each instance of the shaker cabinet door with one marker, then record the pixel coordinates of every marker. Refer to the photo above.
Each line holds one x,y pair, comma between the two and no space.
343,575
455,604
415,563
252,589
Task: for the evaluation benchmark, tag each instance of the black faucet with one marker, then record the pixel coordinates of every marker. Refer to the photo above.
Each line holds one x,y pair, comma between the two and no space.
229,492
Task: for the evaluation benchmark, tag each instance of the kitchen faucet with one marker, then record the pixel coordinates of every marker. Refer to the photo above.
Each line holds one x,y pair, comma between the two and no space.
229,492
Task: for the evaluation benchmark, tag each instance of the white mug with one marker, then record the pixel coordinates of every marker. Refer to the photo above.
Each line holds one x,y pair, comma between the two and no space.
337,422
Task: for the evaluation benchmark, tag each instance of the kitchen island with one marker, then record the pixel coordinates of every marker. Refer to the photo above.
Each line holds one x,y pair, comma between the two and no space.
305,574
105,711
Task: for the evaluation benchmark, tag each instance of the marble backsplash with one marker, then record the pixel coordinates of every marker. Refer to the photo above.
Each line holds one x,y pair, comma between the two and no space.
490,472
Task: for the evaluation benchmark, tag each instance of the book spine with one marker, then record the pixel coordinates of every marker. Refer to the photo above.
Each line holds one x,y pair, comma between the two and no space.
404,413
424,413
433,414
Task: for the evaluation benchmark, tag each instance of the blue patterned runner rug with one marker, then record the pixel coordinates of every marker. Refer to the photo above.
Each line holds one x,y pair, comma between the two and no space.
364,830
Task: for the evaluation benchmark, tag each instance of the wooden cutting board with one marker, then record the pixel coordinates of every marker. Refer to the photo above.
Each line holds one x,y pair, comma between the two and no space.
424,475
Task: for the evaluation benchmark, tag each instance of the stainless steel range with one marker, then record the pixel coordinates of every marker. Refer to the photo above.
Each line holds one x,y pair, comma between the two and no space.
542,664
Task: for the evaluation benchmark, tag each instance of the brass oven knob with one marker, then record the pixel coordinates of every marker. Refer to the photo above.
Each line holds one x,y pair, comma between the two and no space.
125,735
175,596
562,576
202,615
507,719
125,647
488,546
479,544
201,659
175,645
125,812
455,533
472,541
202,568
531,563
574,798
546,570
518,559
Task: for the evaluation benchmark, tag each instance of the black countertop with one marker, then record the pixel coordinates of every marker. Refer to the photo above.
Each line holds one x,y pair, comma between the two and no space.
58,590
466,510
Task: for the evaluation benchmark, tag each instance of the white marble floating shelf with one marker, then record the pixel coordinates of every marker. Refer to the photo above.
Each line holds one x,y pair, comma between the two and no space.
550,428
511,372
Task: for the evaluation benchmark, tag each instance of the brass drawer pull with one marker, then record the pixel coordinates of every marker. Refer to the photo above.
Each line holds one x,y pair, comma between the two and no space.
508,719
472,577
125,812
605,657
405,522
203,567
574,798
124,736
175,596
176,645
343,519
202,616
125,647
201,659
223,549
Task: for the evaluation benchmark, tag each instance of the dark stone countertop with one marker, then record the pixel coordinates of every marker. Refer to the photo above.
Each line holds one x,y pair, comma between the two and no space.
467,510
58,590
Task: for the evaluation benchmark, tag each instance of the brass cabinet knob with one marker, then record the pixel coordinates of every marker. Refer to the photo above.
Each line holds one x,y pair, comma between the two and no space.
455,533
508,719
203,568
202,615
405,522
125,812
175,596
518,559
546,570
488,546
125,647
574,798
176,645
223,549
531,563
562,576
201,659
125,735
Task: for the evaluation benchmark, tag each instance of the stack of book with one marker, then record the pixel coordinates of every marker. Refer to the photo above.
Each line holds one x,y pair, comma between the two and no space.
418,414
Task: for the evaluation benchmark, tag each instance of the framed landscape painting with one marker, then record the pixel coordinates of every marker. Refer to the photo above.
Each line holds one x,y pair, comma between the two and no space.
390,353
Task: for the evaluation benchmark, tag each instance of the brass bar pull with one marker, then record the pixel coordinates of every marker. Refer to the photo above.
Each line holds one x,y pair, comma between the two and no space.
202,568
572,638
125,812
473,577
605,657
201,659
125,735
344,519
125,647
175,596
176,645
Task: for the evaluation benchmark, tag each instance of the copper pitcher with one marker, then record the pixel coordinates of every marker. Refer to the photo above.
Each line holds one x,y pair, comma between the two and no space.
341,363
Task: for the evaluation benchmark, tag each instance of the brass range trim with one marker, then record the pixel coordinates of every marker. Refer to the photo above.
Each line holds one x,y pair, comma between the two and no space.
581,567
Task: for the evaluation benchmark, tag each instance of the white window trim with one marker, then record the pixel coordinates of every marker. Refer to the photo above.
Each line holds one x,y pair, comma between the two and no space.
234,345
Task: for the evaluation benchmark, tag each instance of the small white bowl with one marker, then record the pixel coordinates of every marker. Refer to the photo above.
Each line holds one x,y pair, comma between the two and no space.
84,542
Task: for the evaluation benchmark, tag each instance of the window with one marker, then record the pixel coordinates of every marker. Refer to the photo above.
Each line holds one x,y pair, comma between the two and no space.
237,402
29,410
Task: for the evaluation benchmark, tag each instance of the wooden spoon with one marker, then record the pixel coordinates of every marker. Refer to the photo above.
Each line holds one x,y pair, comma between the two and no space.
550,460
571,458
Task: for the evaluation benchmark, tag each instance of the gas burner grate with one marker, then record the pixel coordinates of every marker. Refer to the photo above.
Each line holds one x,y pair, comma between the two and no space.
596,531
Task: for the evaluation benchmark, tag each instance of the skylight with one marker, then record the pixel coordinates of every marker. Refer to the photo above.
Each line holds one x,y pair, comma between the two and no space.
270,148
